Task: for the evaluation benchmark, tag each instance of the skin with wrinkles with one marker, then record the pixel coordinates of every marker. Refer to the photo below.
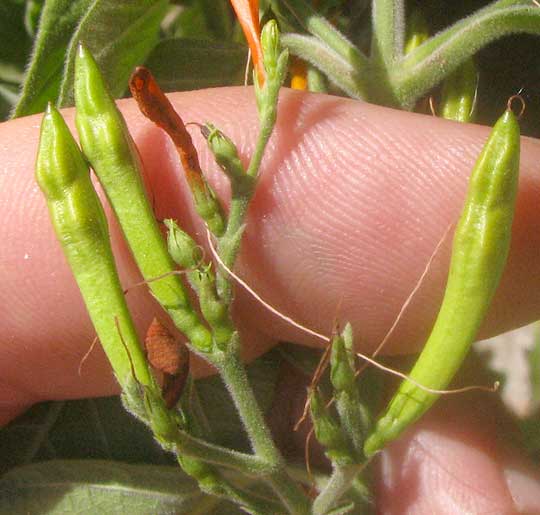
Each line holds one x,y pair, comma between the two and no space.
304,255
348,210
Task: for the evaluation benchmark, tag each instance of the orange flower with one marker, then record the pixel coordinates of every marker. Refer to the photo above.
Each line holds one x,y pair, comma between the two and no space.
247,12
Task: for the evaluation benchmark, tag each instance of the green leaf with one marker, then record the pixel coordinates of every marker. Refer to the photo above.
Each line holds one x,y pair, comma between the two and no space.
338,70
108,487
59,19
32,15
120,35
27,436
87,428
218,17
190,22
15,42
182,64
435,59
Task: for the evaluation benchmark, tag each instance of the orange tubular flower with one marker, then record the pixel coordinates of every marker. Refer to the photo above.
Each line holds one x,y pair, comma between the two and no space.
247,12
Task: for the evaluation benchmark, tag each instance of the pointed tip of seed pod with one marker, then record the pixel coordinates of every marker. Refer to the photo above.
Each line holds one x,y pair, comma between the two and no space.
82,51
83,59
52,115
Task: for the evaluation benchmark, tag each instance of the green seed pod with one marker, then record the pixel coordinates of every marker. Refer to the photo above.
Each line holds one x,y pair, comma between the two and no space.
82,230
111,151
480,248
182,248
328,432
458,97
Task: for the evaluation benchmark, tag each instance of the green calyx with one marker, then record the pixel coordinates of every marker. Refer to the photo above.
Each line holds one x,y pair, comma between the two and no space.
342,371
328,432
182,248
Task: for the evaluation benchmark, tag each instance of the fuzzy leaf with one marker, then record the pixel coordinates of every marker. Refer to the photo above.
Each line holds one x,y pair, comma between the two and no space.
59,19
95,486
180,64
120,35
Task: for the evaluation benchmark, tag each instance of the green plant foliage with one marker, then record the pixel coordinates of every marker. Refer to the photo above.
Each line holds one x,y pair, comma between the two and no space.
94,486
180,64
120,34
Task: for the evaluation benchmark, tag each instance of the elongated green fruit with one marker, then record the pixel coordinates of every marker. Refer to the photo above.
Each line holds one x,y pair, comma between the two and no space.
108,146
479,253
458,97
81,228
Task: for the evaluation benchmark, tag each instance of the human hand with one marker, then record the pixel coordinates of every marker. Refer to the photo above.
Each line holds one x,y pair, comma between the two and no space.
352,202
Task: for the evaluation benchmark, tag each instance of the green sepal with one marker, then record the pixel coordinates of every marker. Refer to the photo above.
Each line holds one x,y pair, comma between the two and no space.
276,67
226,156
328,432
214,310
271,46
182,247
342,370
208,207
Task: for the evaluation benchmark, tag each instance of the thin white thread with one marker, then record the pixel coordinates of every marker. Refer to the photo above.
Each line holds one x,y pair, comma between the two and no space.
87,354
411,295
326,338
258,297
246,72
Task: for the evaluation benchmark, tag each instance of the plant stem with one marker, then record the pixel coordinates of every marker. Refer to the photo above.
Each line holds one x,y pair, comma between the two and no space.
339,483
338,70
432,61
354,418
318,26
217,455
234,376
255,505
229,243
388,31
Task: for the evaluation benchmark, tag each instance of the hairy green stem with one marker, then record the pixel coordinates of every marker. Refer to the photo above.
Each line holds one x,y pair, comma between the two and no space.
354,418
319,27
217,455
339,483
338,70
432,61
234,376
229,243
388,26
